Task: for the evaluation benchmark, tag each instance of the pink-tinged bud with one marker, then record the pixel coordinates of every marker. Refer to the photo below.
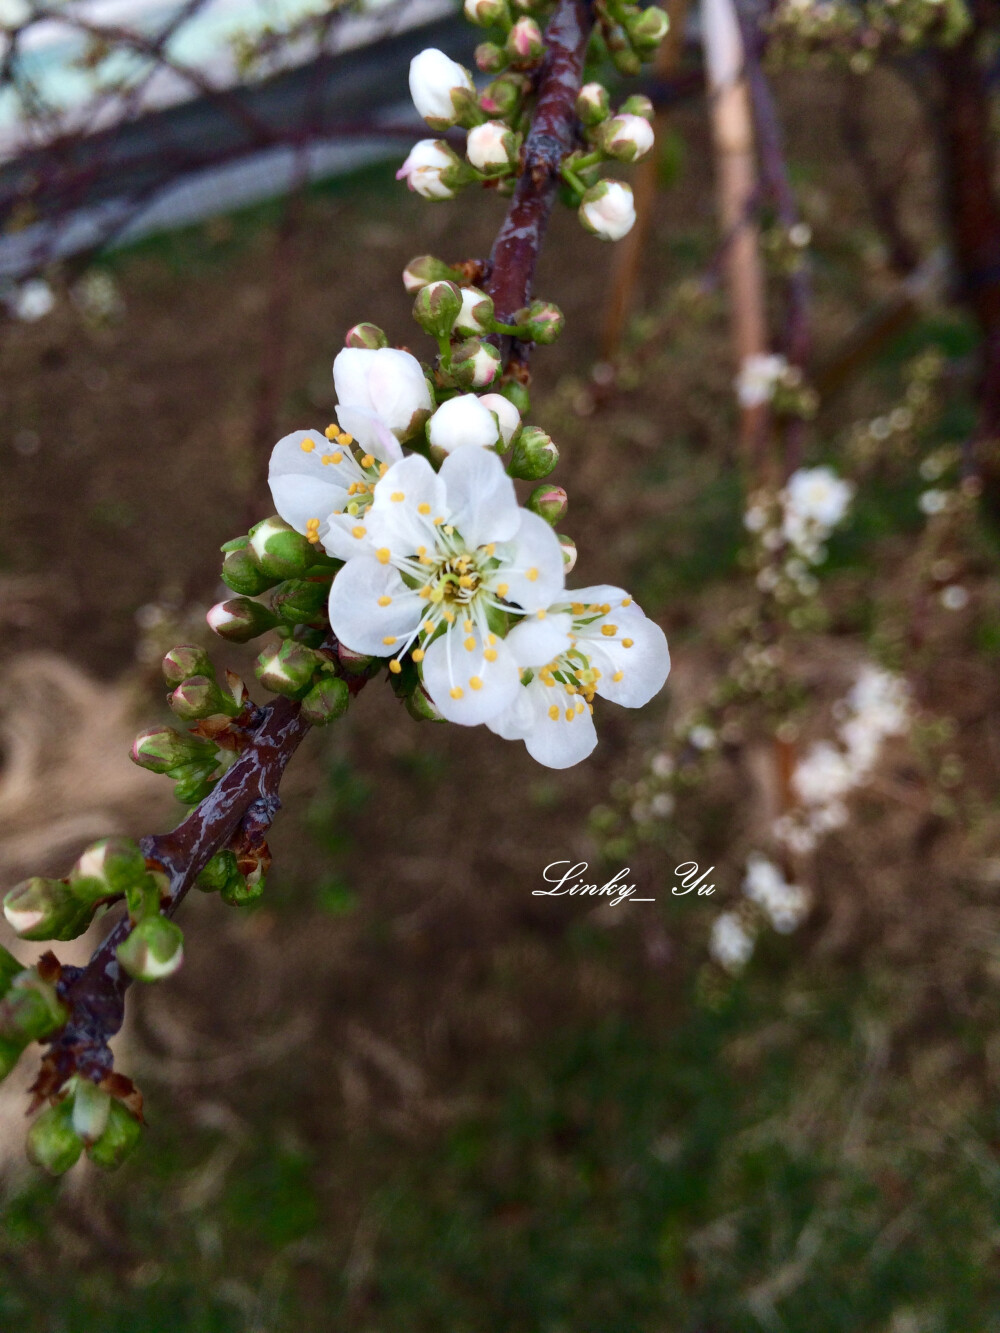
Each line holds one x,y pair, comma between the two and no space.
199,697
354,664
186,660
368,336
476,314
45,909
502,99
432,170
568,547
548,502
421,707
424,269
160,749
288,669
436,307
638,105
592,103
626,137
239,620
492,148
474,364
541,322
486,13
534,456
490,58
326,701
524,42
608,210
434,80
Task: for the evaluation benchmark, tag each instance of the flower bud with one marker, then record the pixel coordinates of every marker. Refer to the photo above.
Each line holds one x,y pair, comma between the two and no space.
548,502
626,137
162,748
507,415
421,706
476,314
281,552
45,909
10,967
301,601
107,867
186,660
30,1010
433,170
435,79
517,394
355,664
534,455
492,148
592,103
486,13
524,42
193,781
242,890
490,58
366,335
461,422
120,1137
326,701
241,572
153,950
53,1143
91,1111
619,46
199,698
436,307
288,669
540,322
568,547
424,269
10,1053
608,210
502,98
647,29
474,364
217,873
637,105
239,619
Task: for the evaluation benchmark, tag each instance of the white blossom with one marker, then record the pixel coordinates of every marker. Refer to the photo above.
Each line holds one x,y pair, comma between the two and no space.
933,502
784,904
731,944
814,501
627,137
954,597
759,376
32,301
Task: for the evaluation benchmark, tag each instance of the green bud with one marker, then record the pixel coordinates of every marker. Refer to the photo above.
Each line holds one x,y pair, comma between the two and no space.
143,898
281,552
218,872
10,967
186,660
201,697
436,306
647,29
107,867
53,1143
517,394
161,749
568,547
491,58
626,62
122,1134
524,42
326,701
474,364
593,104
242,573
194,781
368,336
548,502
355,664
45,909
242,891
30,1010
153,950
301,601
10,1053
421,706
502,98
239,619
424,269
91,1111
288,669
487,13
638,105
534,455
541,322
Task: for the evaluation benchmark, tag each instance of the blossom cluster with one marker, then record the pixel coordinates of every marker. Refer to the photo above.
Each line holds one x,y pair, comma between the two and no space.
769,377
783,905
792,527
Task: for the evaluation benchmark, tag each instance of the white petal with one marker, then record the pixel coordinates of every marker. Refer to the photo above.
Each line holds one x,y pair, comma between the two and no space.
351,369
559,743
534,642
537,577
345,537
371,433
398,523
302,486
482,503
517,720
298,498
463,421
397,387
484,689
644,666
356,617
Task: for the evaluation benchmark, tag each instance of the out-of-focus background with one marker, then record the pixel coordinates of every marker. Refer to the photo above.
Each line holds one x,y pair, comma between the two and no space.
404,1092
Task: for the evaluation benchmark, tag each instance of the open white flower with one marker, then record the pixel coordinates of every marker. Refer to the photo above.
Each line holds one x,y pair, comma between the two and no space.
461,421
323,487
759,376
817,495
425,167
448,549
785,905
595,642
434,77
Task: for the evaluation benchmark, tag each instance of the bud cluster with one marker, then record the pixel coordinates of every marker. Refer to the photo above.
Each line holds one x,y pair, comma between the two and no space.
30,1009
85,1118
630,34
62,909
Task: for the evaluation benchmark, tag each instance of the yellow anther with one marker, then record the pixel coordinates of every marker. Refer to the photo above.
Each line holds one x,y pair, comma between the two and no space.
490,654
467,625
359,532
344,438
469,644
450,529
571,689
425,591
491,639
395,667
502,589
449,616
312,522
577,608
554,712
547,680
570,714
389,640
312,537
609,630
532,574
627,601
475,682
331,432
466,581
427,626
590,709
626,643
354,488
605,609
437,595
490,549
308,445
382,555
421,550
423,508
397,496
457,692
383,468
541,614
619,675
385,601
368,460
418,654
438,522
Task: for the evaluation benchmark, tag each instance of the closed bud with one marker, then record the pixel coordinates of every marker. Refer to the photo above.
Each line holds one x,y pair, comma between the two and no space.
218,872
647,29
568,547
326,701
355,664
242,890
421,707
288,669
439,87
592,103
474,364
608,210
30,1010
524,42
91,1111
492,148
507,415
153,950
53,1144
107,867
476,314
10,1053
626,137
424,269
490,58
186,660
534,455
486,13
624,59
517,394
45,909
240,619
502,98
193,781
242,573
540,322
548,502
281,552
638,105
122,1133
143,898
161,749
301,601
436,306
434,170
199,698
369,336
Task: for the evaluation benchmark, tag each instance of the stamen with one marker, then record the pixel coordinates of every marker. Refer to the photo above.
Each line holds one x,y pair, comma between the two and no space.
359,532
619,675
490,654
389,640
423,508
383,468
382,555
385,601
395,667
627,643
627,601
331,432
570,714
502,589
532,574
609,630
554,712
475,682
469,644
397,496
368,460
418,654
541,614
307,445
457,692
345,438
